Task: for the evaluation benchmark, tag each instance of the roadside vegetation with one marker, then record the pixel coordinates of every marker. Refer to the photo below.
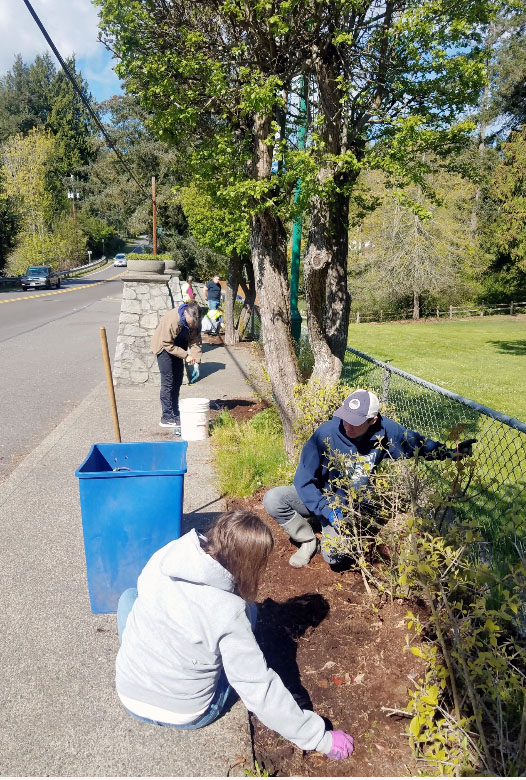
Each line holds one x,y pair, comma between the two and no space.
250,455
466,713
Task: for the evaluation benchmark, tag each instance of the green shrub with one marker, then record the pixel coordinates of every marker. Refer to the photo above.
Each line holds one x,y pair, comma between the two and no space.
249,455
305,357
268,421
468,709
147,256
316,404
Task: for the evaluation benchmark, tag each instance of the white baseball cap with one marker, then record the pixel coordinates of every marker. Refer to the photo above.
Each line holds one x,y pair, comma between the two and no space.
358,407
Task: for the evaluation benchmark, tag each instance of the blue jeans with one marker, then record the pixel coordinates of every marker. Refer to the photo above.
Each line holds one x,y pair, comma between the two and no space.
213,304
222,693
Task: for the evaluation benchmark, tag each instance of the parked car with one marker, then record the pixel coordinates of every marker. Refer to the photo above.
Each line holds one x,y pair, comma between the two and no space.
40,276
120,259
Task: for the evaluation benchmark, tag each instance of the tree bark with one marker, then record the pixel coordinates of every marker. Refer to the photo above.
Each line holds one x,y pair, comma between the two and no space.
268,243
416,305
325,262
232,283
249,290
328,300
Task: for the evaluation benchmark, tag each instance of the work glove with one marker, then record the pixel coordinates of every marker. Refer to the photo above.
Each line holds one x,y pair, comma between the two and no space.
342,746
464,448
195,374
335,514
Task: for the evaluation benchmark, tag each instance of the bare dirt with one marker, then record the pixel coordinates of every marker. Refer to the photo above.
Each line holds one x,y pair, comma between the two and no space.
338,651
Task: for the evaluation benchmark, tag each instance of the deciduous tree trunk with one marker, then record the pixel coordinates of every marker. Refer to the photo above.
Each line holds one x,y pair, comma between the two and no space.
416,305
232,283
268,243
328,300
249,290
325,262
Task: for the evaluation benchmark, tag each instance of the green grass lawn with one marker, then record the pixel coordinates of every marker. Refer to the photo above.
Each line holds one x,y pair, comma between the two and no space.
483,359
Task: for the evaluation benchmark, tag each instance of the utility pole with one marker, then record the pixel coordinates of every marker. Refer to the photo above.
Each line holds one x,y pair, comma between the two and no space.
154,218
295,315
74,196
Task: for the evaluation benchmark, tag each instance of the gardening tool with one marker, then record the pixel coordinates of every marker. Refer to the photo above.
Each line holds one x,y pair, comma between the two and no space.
109,381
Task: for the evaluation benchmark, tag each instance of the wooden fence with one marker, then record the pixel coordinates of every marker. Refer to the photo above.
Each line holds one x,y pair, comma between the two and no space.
476,310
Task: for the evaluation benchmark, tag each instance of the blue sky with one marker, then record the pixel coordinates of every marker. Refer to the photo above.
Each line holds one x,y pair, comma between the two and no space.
72,25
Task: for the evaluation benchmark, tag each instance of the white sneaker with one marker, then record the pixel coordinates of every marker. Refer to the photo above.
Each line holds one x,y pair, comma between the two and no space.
169,424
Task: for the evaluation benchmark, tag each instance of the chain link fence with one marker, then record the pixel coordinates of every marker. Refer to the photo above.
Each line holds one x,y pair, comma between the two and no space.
496,498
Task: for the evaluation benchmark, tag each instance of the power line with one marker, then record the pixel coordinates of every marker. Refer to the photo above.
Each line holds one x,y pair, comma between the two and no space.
82,96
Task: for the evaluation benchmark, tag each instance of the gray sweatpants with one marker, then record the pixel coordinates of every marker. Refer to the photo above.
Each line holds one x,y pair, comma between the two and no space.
282,503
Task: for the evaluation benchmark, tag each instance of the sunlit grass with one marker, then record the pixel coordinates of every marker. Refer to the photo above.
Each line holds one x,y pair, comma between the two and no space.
249,455
482,359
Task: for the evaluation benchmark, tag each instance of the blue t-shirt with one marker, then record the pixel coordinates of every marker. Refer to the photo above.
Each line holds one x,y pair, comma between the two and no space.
214,290
385,437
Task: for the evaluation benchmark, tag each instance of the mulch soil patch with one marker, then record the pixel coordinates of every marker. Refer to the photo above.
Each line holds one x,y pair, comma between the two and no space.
339,653
241,409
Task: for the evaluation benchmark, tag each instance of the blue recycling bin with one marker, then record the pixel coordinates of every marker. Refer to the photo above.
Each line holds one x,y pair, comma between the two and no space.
131,500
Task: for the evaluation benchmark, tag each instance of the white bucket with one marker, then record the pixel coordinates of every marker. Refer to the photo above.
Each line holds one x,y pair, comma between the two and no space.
194,418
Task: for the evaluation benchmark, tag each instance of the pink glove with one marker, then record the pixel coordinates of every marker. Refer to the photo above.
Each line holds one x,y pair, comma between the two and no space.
342,745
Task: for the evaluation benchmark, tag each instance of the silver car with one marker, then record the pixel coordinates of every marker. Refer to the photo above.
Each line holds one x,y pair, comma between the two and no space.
120,259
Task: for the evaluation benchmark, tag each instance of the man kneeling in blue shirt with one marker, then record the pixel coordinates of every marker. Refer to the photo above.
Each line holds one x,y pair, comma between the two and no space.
359,430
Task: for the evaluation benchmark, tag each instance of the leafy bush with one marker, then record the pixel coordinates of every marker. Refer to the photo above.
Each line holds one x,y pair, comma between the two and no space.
249,455
316,403
305,357
468,710
147,256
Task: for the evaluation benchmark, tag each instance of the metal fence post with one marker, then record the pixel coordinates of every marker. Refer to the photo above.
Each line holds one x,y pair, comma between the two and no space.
511,307
357,317
385,386
451,312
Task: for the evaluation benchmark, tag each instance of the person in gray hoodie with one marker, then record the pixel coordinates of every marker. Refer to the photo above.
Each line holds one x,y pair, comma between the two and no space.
187,636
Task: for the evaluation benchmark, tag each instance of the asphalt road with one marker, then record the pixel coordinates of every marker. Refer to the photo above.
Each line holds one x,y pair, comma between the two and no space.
50,356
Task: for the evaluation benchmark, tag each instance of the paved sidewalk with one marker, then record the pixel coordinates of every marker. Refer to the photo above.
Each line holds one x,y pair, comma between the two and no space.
60,713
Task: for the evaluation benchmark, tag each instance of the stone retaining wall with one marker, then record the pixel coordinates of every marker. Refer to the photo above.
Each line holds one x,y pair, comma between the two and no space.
145,298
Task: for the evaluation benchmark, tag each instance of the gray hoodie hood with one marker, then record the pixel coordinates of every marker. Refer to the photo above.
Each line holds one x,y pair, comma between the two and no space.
186,560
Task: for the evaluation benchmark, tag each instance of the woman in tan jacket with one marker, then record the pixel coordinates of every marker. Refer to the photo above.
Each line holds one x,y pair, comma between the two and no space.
176,340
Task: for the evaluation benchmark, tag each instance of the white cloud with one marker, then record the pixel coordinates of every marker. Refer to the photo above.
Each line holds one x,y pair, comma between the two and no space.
72,25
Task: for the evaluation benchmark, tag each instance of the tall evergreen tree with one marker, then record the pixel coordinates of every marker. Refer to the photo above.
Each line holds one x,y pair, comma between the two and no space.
26,96
70,123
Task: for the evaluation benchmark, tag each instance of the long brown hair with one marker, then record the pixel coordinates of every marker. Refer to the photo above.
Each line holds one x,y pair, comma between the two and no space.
241,542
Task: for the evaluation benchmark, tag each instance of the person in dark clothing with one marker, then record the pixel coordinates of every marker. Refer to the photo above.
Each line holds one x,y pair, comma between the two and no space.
358,430
177,339
212,292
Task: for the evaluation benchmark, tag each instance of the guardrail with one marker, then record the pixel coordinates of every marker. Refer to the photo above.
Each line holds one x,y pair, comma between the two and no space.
94,264
8,281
